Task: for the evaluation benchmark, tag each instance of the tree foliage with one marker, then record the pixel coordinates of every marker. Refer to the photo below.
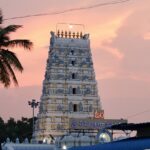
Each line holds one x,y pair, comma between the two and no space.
16,129
8,59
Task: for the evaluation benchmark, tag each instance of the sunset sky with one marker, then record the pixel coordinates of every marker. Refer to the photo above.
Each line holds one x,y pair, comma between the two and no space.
120,44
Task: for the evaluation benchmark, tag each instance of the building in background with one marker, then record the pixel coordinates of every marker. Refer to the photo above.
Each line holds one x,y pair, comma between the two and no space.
69,88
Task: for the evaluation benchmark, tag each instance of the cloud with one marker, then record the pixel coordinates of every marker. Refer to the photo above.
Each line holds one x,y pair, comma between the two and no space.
141,77
107,32
124,97
107,58
135,62
146,36
115,52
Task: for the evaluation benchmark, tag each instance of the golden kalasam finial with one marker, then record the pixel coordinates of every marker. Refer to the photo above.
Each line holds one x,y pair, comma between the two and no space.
73,34
65,34
62,34
58,33
77,35
62,27
69,34
81,35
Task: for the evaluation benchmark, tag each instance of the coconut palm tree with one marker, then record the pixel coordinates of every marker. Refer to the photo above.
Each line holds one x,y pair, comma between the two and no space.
8,59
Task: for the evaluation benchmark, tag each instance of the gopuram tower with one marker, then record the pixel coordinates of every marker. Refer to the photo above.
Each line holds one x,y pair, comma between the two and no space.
69,88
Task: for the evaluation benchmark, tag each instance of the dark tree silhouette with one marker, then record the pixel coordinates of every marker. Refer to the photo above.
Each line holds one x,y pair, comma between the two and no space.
16,129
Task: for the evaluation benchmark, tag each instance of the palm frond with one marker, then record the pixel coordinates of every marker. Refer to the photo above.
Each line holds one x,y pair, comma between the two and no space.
26,44
4,75
10,72
11,58
9,29
8,60
1,17
3,40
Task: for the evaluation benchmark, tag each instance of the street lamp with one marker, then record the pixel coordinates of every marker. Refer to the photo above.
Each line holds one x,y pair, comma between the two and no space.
33,105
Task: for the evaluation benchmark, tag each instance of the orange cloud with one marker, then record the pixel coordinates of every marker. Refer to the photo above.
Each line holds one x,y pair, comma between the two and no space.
115,52
105,34
38,31
106,75
146,36
108,30
141,77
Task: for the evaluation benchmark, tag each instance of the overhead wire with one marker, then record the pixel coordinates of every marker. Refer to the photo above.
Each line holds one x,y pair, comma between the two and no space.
139,113
69,10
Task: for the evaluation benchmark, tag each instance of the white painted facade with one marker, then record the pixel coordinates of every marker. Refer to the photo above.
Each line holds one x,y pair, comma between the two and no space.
69,88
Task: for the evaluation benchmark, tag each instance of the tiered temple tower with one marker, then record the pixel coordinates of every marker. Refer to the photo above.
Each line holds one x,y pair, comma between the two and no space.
69,88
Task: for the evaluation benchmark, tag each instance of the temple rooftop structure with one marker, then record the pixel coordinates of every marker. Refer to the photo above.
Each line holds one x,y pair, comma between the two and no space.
70,87
70,104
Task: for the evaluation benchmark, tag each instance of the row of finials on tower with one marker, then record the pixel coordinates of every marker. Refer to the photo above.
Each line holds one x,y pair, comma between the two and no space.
69,34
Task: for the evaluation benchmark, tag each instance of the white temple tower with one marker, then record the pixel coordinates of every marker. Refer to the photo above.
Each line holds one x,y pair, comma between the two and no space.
69,88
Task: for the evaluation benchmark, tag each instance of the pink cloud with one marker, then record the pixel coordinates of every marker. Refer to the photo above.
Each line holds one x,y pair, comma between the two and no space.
146,36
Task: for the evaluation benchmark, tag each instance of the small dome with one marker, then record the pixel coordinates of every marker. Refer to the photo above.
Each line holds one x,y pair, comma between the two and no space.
77,139
68,139
93,139
74,134
57,139
85,138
